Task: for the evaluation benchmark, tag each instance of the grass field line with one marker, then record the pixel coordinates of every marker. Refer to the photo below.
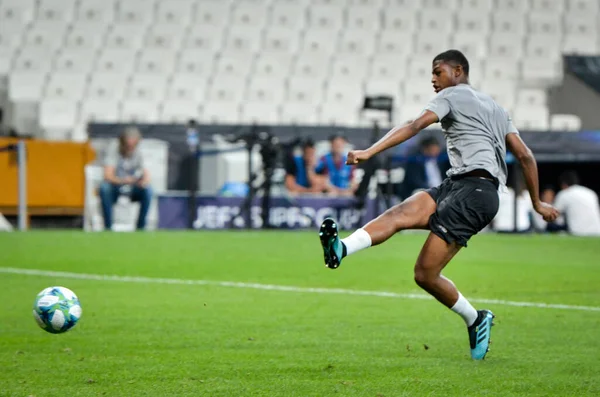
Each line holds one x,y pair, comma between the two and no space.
272,287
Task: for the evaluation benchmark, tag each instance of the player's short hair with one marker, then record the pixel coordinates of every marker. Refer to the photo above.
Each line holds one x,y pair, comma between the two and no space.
568,178
454,56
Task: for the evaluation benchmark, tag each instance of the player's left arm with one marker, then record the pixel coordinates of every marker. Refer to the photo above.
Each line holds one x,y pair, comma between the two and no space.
529,166
394,137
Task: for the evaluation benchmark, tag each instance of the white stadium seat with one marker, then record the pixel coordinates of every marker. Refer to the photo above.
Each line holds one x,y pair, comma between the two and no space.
21,11
509,22
349,67
388,67
116,60
505,45
58,118
198,62
221,112
139,111
308,65
146,88
304,90
85,37
586,26
357,43
228,88
96,12
187,87
399,19
512,5
319,41
329,17
248,14
583,7
565,122
156,61
165,36
470,44
544,22
471,21
259,113
531,97
333,114
344,92
66,86
273,65
481,7
531,118
299,113
206,38
581,45
48,35
397,43
135,12
266,90
548,5
436,21
99,110
280,39
363,18
287,15
212,13
128,37
179,111
234,64
243,39
174,12
107,86
51,10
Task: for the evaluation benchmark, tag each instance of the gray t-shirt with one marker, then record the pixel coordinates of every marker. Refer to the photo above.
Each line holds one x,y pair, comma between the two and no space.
125,166
475,127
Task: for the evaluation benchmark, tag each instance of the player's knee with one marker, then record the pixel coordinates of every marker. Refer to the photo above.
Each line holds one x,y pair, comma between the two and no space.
423,278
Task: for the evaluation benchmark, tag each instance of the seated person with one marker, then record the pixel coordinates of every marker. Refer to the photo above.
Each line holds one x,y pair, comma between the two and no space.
425,168
333,164
579,206
124,174
301,176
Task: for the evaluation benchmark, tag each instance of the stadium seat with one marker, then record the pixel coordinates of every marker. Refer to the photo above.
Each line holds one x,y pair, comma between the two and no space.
363,18
444,5
565,122
243,39
85,37
66,86
279,39
199,62
288,15
220,112
304,90
95,12
174,12
75,60
50,10
139,111
531,97
408,5
581,45
471,21
344,92
349,67
234,63
356,42
505,45
308,65
299,113
10,41
272,65
45,35
501,68
470,44
325,17
541,72
125,37
259,113
206,38
388,67
212,13
509,22
164,36
146,88
544,22
418,93
266,90
477,6
179,111
116,60
156,61
378,87
319,41
519,6
585,26
502,91
20,11
248,14
542,46
429,44
99,110
435,21
399,19
531,118
57,118
369,3
583,7
107,86
135,12
397,43
333,114
227,88
548,5
419,69
32,59
187,87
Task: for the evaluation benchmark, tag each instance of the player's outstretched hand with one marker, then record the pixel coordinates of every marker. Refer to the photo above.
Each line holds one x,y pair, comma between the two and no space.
357,156
547,211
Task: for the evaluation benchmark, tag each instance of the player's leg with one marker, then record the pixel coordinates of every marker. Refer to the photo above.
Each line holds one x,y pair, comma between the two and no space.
413,213
434,256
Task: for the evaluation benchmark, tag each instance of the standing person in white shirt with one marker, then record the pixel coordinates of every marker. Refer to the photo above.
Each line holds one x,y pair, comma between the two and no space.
578,205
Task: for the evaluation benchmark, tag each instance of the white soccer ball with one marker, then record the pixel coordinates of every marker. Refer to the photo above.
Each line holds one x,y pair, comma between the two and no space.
56,309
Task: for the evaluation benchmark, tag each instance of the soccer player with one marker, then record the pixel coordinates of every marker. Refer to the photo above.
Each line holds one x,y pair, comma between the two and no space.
477,132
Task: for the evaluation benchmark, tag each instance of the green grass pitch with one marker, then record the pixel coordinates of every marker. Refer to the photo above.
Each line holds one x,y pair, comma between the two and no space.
161,339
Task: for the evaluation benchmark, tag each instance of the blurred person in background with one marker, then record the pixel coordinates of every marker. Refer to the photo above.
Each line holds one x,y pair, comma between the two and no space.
125,174
301,175
424,169
578,206
504,221
539,224
333,164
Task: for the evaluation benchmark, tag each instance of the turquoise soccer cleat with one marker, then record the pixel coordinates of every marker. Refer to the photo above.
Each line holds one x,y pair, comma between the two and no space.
479,334
332,246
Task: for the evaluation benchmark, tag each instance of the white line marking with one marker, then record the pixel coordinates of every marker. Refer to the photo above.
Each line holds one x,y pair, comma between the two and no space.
272,287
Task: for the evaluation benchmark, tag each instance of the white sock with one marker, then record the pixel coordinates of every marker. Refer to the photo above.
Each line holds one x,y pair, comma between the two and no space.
463,308
357,241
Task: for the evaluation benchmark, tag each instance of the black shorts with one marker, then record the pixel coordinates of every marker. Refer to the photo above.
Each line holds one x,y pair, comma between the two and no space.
465,206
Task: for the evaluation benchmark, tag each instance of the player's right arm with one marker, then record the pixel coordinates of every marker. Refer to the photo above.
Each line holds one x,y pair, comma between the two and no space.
529,166
394,137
